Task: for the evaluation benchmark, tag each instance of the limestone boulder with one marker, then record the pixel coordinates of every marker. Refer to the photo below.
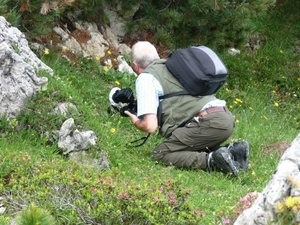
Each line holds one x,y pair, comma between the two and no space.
19,69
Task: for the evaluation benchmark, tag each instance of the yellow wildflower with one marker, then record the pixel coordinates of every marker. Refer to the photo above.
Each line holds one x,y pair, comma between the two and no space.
238,100
281,51
295,209
264,117
64,48
237,121
280,207
117,83
297,201
289,202
273,91
105,68
46,51
227,89
112,130
109,52
250,108
115,60
230,106
276,104
97,58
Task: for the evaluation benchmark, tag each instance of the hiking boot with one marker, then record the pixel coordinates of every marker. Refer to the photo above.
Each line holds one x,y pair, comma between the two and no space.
221,160
240,153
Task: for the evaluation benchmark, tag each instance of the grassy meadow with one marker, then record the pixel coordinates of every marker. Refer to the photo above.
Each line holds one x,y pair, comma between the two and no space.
262,92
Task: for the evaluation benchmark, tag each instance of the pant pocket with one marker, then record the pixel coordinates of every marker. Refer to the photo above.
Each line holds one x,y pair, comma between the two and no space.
221,124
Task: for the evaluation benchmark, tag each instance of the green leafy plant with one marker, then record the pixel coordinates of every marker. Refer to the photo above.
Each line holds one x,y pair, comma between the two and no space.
218,24
92,198
33,216
11,14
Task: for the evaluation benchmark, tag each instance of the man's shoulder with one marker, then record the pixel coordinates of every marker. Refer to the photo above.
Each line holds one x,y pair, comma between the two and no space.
158,62
145,77
157,67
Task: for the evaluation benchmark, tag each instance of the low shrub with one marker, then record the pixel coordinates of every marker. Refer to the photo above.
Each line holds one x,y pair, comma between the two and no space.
76,195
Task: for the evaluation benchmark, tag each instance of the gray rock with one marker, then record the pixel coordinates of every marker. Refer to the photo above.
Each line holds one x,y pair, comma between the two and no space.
18,43
74,140
282,185
2,208
64,107
18,66
117,18
123,66
96,45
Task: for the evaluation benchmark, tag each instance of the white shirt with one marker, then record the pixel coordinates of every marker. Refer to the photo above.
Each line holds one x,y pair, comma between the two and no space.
148,90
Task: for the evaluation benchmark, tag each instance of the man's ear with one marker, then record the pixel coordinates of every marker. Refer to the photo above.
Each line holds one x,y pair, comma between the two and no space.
135,67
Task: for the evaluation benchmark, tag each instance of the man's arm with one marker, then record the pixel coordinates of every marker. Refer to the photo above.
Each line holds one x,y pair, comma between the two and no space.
148,124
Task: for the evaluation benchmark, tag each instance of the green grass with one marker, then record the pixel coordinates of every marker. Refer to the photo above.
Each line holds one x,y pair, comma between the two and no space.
262,92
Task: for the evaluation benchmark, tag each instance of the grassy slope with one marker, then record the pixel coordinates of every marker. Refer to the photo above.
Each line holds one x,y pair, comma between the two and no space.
257,83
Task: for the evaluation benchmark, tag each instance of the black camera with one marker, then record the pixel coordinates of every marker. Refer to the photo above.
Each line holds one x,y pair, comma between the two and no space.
124,100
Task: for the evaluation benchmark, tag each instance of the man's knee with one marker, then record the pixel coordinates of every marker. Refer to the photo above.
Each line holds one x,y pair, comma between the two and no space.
156,155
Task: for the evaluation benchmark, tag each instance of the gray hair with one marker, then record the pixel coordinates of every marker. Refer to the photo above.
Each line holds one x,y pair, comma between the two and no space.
143,53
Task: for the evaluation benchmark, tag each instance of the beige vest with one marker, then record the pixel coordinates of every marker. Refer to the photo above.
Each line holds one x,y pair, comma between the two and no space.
177,110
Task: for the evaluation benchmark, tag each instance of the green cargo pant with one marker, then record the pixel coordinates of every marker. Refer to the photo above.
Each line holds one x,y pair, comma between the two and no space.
188,146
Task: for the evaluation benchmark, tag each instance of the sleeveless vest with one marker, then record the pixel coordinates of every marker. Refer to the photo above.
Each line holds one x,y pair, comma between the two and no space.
177,110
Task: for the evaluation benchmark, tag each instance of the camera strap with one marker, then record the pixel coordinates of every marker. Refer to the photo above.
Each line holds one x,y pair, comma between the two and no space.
144,141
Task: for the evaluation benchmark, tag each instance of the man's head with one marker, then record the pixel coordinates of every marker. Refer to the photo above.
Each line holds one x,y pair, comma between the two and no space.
143,53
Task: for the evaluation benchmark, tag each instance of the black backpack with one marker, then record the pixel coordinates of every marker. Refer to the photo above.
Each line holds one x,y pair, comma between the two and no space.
198,68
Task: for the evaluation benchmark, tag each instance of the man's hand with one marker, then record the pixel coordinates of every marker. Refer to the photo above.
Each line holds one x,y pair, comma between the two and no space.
147,124
133,117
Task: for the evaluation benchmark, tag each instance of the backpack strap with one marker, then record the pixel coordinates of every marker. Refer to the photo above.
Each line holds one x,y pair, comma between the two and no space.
183,92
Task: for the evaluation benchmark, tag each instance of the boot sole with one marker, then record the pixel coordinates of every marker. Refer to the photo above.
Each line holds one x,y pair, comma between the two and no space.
227,163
